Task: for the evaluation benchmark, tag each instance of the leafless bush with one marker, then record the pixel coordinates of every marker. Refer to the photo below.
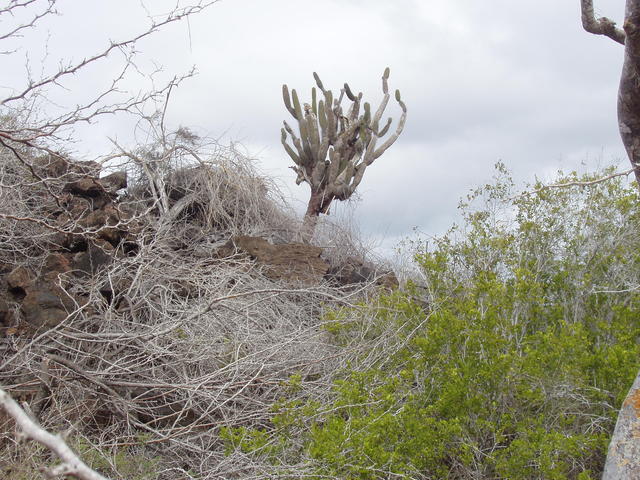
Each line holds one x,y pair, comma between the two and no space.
188,346
208,185
167,343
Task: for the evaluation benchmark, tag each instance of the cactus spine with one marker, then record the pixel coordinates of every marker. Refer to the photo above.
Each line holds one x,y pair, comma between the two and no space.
334,147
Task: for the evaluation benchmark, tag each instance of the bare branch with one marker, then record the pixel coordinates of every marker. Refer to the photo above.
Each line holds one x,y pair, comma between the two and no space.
71,463
50,9
600,26
577,183
71,69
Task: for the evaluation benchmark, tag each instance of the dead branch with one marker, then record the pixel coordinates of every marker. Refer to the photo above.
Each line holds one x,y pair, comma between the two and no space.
576,183
71,463
600,26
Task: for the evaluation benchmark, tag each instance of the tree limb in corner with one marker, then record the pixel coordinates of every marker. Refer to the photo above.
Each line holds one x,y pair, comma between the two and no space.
71,464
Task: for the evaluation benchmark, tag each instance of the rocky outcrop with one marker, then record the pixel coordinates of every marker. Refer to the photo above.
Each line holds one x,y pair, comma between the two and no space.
42,299
94,229
18,280
298,262
86,207
292,262
353,271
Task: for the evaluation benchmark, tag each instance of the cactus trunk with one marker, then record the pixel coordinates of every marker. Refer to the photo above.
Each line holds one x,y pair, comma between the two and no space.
334,148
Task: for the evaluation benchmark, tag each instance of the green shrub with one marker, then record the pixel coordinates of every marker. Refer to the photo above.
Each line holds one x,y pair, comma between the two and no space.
517,368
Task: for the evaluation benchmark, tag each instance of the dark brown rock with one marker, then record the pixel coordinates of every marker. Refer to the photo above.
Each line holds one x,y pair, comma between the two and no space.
51,166
354,271
95,219
290,261
19,280
55,265
54,166
77,207
108,215
57,262
4,311
69,242
114,182
42,308
85,187
98,254
85,168
111,235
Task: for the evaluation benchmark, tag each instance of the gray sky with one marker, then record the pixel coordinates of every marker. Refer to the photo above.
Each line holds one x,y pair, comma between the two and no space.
517,81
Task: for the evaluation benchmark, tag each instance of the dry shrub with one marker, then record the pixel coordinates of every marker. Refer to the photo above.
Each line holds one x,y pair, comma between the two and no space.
168,343
21,197
221,193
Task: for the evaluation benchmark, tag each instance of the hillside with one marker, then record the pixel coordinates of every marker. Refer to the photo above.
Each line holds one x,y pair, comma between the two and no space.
139,325
163,315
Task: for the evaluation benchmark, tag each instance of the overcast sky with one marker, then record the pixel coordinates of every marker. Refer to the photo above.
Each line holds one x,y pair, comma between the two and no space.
517,81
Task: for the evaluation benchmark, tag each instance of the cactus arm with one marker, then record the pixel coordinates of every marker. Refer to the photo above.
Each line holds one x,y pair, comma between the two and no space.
322,117
354,111
324,147
346,135
334,164
324,130
341,125
375,121
385,78
296,105
368,157
398,131
287,101
369,154
288,149
319,83
299,175
314,104
302,126
332,129
367,114
349,93
343,167
296,142
357,177
318,175
314,137
342,188
385,129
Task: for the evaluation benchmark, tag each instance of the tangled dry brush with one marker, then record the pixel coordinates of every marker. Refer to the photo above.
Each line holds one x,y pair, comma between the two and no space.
129,322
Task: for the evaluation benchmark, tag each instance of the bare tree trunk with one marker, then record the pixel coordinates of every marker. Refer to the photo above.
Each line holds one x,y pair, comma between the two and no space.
314,208
623,459
629,92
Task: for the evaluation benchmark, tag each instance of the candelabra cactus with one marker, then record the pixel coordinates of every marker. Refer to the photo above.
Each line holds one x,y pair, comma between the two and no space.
334,147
